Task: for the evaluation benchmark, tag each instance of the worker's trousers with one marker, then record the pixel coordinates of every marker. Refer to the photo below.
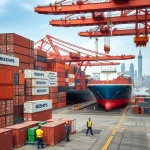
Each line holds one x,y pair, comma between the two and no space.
39,142
89,128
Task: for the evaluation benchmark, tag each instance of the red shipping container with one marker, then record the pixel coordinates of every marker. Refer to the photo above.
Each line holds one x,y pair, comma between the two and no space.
39,97
61,83
62,94
19,133
21,90
53,95
61,104
62,99
53,89
2,122
3,49
6,139
15,69
55,105
11,48
23,66
53,120
135,109
9,107
12,38
2,108
6,76
37,52
16,100
55,100
40,64
9,120
39,116
6,92
20,111
53,132
61,79
142,110
16,111
60,74
59,70
16,90
21,100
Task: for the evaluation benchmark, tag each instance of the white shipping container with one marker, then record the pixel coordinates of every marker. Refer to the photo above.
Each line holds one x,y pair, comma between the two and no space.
51,74
37,106
39,83
36,74
53,84
52,79
71,84
9,60
71,76
66,79
40,91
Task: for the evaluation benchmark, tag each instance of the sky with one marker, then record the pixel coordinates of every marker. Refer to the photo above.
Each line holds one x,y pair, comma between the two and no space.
19,17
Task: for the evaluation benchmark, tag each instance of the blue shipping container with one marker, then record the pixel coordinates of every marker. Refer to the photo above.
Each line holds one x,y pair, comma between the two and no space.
16,78
147,110
42,59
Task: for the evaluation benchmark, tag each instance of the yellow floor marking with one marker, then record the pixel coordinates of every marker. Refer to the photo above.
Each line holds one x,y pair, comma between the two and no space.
115,129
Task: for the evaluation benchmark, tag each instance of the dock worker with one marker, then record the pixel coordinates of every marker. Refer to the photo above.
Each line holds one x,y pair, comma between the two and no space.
89,126
67,131
39,135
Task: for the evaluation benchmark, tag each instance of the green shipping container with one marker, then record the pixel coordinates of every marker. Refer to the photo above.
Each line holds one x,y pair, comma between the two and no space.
42,123
32,138
32,131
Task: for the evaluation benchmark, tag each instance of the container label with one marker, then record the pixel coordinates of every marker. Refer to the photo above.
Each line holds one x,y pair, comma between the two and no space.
51,74
9,60
39,83
40,91
39,74
52,84
71,76
35,74
52,79
37,106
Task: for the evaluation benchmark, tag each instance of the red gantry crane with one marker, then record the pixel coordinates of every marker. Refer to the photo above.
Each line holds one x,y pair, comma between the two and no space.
57,48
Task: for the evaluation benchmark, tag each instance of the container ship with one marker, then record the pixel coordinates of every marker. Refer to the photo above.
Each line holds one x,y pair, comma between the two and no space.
113,93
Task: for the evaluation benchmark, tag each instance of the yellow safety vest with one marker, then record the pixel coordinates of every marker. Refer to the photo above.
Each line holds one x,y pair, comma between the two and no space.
39,133
89,123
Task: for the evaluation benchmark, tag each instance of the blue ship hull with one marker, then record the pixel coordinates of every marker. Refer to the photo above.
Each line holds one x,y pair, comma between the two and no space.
111,95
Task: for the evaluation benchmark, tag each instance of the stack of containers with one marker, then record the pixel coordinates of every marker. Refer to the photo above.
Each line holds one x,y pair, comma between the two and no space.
143,105
19,97
8,66
40,58
38,110
36,85
53,88
77,80
18,46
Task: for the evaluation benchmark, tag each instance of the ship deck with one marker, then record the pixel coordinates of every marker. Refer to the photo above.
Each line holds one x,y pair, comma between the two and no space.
133,131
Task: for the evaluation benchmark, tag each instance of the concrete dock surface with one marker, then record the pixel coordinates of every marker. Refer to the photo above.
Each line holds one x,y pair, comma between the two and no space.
132,134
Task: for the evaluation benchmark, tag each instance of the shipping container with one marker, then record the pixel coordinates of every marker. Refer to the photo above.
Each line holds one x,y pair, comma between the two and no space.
37,91
6,92
60,74
18,49
61,104
40,59
9,107
53,95
37,106
38,116
9,120
6,139
40,64
3,49
21,100
71,84
9,60
19,133
23,66
53,89
54,132
2,108
35,74
36,83
37,97
37,52
71,76
2,121
6,76
55,105
21,79
40,68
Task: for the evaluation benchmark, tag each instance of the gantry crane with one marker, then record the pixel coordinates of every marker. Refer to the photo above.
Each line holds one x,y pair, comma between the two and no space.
57,48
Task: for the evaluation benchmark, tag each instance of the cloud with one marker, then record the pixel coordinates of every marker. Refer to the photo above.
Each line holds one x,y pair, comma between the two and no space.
2,6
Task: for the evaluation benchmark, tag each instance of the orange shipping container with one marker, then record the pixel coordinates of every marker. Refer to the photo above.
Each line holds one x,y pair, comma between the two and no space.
61,79
6,76
21,100
2,108
40,64
54,132
62,94
18,49
3,49
37,52
61,104
6,92
9,107
53,95
39,116
21,79
55,100
34,98
23,66
55,106
71,80
61,83
58,70
60,74
53,89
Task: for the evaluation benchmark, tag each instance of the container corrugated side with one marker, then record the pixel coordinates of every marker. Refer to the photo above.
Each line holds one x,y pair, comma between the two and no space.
9,60
35,74
37,106
40,91
52,84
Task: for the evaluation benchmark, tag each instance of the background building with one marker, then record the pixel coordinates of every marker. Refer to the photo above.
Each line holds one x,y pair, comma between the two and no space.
140,66
123,68
132,71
